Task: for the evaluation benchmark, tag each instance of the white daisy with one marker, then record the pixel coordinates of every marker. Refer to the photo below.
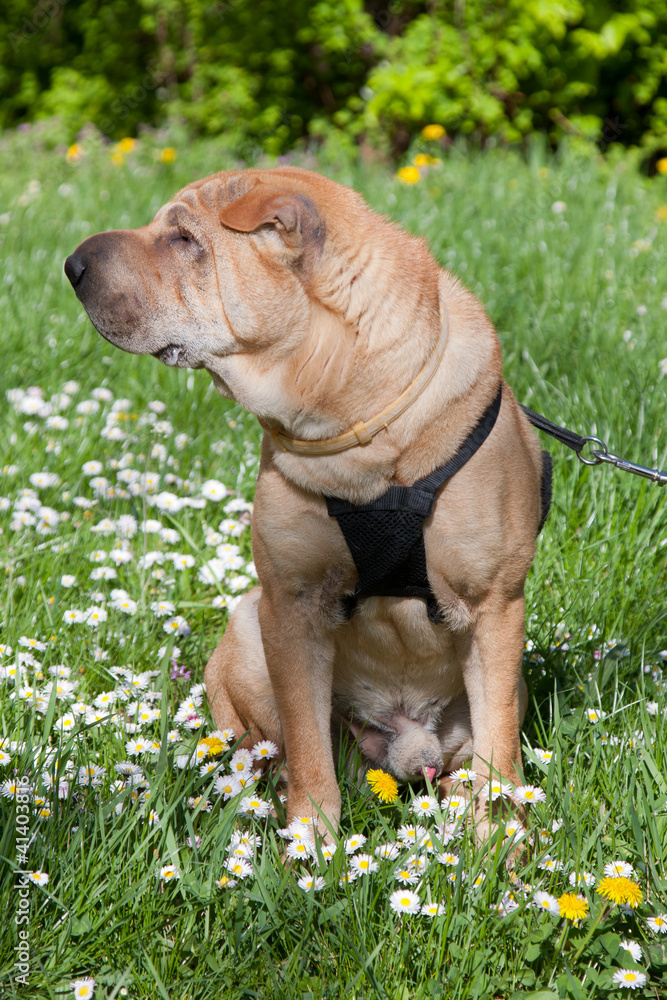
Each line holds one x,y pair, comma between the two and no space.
73,617
213,490
354,842
92,468
529,793
424,805
506,905
241,763
387,851
298,830
91,775
238,867
169,873
177,624
39,878
162,608
634,948
496,789
182,560
658,924
405,901
619,869
253,806
448,858
365,864
545,901
65,722
228,786
84,989
95,616
168,501
463,774
300,849
456,805
310,883
406,876
265,750
629,978
549,864
577,879
411,834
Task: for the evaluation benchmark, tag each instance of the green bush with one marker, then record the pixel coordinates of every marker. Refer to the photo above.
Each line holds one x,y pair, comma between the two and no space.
508,69
265,74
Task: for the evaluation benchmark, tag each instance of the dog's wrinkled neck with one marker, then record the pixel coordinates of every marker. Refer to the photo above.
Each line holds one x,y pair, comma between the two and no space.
428,432
362,431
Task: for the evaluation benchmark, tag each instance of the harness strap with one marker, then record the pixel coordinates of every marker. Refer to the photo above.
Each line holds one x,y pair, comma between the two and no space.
475,440
420,496
386,537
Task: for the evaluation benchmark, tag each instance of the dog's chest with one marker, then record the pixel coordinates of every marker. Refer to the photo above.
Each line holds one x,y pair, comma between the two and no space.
390,657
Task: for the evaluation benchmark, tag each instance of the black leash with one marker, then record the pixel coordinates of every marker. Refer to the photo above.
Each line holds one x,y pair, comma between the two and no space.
602,454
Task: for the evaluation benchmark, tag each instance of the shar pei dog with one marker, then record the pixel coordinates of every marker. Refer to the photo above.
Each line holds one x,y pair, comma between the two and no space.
399,490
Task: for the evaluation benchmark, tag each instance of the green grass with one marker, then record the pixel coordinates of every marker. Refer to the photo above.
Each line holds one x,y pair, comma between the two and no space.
562,289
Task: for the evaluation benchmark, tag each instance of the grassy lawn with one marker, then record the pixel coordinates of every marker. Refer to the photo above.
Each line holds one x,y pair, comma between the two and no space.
107,523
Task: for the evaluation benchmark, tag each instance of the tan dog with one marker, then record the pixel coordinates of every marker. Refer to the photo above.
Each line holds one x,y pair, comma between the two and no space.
315,314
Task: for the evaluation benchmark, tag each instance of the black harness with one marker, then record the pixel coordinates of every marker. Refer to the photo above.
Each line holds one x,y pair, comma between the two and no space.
386,537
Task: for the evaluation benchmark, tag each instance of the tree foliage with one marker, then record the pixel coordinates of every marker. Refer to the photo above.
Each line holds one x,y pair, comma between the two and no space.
266,73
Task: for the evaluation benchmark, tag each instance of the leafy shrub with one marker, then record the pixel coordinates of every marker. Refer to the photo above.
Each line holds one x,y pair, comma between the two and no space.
265,74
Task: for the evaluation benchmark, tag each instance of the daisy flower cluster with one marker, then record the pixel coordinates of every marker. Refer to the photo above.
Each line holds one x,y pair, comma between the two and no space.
135,546
406,864
65,513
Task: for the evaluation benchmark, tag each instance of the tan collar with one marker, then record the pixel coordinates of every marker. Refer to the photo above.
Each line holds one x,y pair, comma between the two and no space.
363,432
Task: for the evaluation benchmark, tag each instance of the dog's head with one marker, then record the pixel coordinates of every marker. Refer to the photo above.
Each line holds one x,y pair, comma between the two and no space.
405,747
258,276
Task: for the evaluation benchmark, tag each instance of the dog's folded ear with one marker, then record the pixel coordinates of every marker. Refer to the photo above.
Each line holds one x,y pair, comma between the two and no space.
291,214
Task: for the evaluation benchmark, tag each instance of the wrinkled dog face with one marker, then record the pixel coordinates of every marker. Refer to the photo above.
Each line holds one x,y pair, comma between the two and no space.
192,287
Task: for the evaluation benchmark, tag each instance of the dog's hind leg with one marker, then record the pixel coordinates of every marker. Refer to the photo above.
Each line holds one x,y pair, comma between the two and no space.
237,682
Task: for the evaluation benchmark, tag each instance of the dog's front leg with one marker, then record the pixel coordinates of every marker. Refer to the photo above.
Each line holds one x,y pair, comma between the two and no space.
299,651
496,692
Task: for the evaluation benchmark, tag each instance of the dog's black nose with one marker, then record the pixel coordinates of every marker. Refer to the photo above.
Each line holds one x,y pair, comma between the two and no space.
74,268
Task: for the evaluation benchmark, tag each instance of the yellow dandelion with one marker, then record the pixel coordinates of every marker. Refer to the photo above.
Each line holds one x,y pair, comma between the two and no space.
661,214
74,153
661,165
383,785
117,158
620,890
167,155
215,745
433,132
127,145
573,907
409,175
424,160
